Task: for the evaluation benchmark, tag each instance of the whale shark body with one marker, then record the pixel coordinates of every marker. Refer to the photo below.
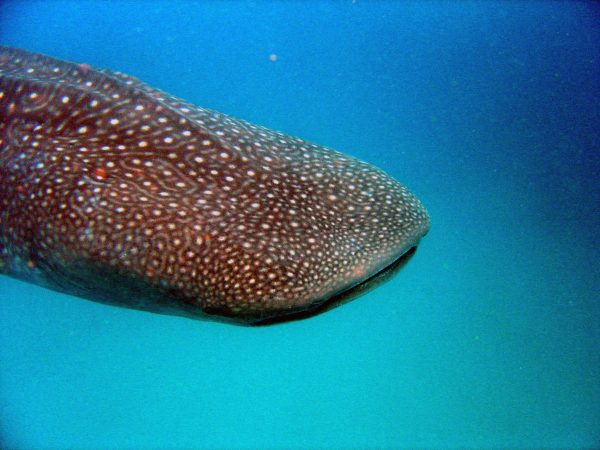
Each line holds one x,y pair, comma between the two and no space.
117,192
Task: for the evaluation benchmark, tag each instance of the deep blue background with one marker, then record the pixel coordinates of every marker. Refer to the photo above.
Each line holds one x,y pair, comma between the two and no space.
489,337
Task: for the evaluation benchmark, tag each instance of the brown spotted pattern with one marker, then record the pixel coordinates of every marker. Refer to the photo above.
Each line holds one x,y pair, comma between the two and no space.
118,192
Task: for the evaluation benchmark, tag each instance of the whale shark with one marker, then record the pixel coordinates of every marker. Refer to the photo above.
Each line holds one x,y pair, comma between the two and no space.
114,191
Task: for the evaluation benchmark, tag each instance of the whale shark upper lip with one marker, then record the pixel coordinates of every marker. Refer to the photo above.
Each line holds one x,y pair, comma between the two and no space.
352,291
372,277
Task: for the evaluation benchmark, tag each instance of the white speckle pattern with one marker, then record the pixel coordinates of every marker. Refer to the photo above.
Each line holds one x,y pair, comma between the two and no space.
106,180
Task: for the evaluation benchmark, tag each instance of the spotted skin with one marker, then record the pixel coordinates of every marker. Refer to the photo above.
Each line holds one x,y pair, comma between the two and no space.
117,192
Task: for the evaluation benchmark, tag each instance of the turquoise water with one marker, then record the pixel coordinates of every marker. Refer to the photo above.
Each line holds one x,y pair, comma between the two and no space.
488,337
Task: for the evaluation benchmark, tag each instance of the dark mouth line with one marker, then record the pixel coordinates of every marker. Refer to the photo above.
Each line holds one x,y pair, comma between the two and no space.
342,297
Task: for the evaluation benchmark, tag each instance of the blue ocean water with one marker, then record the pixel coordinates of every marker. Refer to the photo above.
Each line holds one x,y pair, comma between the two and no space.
488,338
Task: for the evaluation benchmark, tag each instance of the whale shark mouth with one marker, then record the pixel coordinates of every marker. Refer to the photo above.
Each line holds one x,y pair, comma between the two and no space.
340,298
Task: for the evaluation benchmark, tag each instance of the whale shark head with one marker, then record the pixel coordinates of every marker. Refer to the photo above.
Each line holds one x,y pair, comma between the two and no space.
117,192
